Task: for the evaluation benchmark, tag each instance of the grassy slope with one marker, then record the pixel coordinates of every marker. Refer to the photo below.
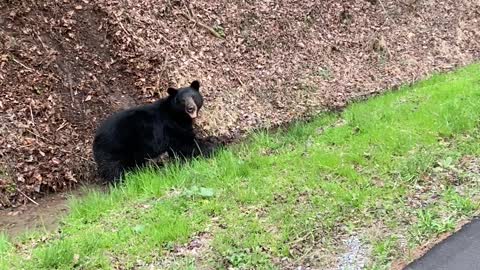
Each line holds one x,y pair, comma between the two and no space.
295,194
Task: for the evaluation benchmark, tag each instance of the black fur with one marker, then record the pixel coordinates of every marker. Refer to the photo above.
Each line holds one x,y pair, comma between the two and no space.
129,138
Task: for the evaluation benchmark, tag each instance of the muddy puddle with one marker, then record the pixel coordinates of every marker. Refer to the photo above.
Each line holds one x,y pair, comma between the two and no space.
43,216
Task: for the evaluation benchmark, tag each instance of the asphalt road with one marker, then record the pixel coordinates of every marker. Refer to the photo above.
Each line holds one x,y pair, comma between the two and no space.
460,251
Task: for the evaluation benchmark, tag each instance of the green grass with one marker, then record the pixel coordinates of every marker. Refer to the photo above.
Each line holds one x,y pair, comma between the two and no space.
383,163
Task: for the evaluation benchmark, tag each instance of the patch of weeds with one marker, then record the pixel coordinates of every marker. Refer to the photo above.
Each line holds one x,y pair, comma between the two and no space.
429,223
420,161
380,46
254,258
383,252
3,173
383,58
219,30
463,206
6,178
324,73
201,192
186,263
306,87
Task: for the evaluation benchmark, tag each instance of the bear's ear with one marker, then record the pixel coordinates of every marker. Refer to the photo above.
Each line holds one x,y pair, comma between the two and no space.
195,85
172,91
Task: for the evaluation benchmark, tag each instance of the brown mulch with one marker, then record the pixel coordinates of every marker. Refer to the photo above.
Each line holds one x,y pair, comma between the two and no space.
66,64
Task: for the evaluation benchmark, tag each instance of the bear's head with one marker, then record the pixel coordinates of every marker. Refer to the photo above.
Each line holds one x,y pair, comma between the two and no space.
187,100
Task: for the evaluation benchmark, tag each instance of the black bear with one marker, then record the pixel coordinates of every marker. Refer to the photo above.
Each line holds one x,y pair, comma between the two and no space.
130,138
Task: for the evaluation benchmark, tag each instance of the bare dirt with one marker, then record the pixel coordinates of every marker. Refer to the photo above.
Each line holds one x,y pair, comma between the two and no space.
43,214
66,64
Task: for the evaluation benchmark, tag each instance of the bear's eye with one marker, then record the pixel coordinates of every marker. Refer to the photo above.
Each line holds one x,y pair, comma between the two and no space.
190,109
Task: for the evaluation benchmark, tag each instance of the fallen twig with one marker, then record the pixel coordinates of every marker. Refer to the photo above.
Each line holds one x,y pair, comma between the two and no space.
41,41
38,135
384,9
61,126
208,28
23,65
25,195
198,146
72,95
235,73
31,114
123,28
